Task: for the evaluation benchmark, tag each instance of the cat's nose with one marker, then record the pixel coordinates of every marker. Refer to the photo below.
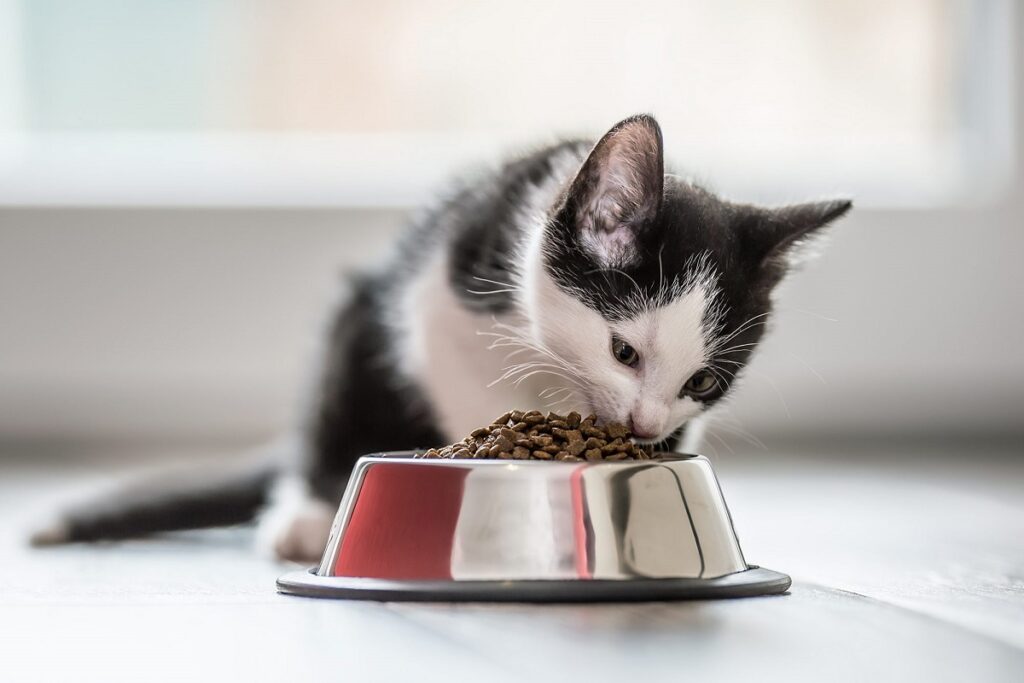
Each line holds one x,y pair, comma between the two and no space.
641,430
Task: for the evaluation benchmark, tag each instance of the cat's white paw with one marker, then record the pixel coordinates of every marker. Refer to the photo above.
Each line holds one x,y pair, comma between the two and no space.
305,537
296,526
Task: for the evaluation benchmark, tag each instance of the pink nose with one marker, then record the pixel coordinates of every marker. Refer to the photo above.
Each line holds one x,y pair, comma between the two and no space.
641,431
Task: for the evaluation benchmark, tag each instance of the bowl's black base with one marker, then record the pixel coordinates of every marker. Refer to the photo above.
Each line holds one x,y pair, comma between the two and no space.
753,581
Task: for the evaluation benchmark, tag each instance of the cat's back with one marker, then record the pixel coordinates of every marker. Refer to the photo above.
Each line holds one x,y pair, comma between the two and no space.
479,222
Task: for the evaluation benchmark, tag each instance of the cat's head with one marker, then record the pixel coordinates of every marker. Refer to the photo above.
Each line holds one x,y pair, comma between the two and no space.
655,292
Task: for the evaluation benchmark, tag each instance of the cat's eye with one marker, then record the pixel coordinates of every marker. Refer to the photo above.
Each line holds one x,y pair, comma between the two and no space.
700,385
624,353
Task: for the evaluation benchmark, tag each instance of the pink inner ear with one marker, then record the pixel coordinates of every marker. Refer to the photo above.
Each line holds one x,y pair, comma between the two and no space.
618,190
624,189
610,248
617,200
632,161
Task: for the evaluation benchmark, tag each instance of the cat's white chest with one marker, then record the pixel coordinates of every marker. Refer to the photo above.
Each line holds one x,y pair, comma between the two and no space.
444,348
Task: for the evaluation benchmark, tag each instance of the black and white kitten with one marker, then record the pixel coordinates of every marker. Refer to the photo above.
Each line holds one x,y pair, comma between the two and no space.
580,277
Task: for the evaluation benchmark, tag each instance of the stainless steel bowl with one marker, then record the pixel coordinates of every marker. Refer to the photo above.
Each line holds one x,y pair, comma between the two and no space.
524,530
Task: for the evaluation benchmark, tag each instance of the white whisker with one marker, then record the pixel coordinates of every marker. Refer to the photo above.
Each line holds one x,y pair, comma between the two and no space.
741,434
726,419
492,291
508,285
722,441
623,273
813,314
751,323
774,387
808,366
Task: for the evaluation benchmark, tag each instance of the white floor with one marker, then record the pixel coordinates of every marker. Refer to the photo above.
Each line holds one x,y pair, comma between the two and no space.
907,565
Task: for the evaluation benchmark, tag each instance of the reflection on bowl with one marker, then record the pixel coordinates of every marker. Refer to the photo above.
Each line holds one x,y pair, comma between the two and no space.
452,528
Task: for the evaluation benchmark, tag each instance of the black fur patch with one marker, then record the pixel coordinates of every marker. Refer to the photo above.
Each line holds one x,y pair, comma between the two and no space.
744,246
693,232
484,223
362,406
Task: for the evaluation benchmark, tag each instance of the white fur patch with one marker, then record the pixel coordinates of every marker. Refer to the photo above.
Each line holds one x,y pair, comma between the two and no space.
474,367
295,525
446,350
670,339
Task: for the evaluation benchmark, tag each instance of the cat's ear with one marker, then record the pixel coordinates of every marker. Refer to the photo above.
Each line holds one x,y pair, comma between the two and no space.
780,237
618,191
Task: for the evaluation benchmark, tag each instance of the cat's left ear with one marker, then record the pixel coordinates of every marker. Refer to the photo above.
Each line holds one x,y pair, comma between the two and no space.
617,192
779,235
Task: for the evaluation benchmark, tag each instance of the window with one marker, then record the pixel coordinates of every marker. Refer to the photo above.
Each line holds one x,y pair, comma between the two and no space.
319,102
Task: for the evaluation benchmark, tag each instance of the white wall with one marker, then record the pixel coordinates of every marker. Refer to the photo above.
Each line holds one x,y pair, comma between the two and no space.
150,323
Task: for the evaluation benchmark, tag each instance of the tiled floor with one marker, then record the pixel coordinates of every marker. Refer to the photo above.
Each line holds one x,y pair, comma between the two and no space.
907,565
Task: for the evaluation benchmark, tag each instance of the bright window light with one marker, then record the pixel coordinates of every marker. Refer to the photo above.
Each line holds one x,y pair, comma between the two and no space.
325,103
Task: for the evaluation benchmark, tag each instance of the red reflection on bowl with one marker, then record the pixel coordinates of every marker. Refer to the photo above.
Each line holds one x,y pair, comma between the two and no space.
403,523
580,524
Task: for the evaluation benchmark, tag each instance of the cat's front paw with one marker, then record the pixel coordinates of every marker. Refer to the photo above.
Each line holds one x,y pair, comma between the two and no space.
305,537
296,525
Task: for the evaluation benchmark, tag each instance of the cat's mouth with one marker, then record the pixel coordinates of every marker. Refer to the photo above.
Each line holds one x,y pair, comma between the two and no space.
587,406
661,440
655,441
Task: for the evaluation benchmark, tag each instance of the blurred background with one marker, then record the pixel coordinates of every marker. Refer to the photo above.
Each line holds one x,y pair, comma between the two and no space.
181,184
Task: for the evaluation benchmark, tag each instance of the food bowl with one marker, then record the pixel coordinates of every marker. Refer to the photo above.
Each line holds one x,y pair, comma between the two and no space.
532,531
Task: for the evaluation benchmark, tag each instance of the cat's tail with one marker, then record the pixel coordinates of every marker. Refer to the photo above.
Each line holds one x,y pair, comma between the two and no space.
198,498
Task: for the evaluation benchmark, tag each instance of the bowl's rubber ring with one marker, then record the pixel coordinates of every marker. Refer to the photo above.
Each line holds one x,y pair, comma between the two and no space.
752,582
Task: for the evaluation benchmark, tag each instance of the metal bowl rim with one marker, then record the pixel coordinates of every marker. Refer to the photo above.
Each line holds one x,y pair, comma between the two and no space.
751,582
406,457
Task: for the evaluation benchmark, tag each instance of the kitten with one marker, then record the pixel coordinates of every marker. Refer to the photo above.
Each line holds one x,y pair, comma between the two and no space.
580,277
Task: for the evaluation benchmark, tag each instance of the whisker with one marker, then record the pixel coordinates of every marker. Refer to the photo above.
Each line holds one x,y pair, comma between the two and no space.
551,392
813,314
808,366
623,273
737,347
512,354
560,401
509,285
745,436
714,368
546,361
539,348
727,420
743,327
492,291
751,322
714,451
536,366
774,387
661,272
722,441
522,378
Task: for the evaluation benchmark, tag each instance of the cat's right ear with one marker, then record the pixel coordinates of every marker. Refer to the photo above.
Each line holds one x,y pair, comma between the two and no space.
617,192
781,232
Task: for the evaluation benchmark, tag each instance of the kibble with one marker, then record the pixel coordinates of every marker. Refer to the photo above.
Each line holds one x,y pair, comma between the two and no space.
522,435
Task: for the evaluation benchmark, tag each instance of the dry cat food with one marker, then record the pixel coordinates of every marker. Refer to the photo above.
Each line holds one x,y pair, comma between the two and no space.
519,435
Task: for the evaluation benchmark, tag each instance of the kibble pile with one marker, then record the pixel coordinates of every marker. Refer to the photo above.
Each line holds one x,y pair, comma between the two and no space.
519,435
